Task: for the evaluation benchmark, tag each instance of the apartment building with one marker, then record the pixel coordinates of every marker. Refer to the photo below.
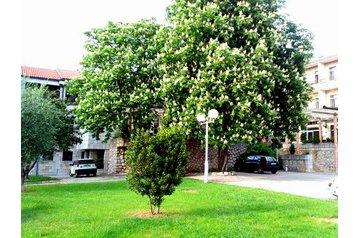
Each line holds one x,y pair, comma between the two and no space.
322,75
317,143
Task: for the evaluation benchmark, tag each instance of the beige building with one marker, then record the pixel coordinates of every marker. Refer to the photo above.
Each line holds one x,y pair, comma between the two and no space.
322,75
317,144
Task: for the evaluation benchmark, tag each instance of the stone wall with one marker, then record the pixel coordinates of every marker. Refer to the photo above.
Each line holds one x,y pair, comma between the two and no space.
323,156
115,158
297,163
197,156
55,167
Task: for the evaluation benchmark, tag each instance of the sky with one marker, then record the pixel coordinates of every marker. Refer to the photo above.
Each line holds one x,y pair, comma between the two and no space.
52,31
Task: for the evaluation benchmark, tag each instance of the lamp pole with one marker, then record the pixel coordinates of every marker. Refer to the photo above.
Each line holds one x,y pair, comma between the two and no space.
212,115
206,164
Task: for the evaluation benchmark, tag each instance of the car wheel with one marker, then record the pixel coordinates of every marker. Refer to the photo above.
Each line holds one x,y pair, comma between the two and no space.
94,174
274,171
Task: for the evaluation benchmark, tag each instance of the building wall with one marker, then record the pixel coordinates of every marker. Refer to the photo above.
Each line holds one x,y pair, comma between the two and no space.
325,87
323,158
197,156
55,167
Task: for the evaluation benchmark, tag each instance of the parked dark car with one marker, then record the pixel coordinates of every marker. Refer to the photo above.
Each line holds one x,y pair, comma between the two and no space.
259,163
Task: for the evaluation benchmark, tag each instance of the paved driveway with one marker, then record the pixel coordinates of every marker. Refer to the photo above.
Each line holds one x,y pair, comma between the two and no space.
313,185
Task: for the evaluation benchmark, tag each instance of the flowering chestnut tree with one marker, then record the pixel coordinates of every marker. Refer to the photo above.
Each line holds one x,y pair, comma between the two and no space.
233,55
117,87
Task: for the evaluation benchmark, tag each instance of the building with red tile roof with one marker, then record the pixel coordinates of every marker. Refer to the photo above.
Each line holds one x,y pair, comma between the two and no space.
54,79
50,74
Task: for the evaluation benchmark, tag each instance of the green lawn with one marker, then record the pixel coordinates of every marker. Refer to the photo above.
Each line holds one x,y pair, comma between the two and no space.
39,178
110,209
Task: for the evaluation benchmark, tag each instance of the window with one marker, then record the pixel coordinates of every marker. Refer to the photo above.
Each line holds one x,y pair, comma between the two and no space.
332,71
333,100
311,135
67,156
85,154
99,159
316,100
316,78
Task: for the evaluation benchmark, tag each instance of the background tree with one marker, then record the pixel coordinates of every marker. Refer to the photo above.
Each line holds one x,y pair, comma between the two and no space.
233,56
119,79
46,125
68,132
156,164
39,118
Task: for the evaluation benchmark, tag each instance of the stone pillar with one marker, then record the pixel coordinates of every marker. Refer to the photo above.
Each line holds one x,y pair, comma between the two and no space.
335,139
298,142
320,130
116,156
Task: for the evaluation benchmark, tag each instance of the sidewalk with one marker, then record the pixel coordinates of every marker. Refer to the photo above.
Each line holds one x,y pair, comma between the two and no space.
314,185
81,179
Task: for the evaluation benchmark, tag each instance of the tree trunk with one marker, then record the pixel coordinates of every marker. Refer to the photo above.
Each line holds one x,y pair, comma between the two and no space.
222,159
25,170
22,179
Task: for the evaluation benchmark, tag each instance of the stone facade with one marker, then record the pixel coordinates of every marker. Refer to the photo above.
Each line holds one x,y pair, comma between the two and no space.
297,163
115,158
197,156
55,167
323,158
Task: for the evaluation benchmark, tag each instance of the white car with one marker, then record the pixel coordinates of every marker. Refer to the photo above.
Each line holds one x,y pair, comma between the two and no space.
83,166
333,186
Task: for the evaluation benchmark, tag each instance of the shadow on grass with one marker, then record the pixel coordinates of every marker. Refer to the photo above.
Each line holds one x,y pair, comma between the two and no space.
29,214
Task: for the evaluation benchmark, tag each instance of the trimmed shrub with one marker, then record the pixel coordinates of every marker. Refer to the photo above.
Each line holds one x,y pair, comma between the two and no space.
292,149
156,164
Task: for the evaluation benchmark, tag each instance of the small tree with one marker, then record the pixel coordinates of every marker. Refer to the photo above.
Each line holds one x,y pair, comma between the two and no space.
39,119
156,164
46,125
292,149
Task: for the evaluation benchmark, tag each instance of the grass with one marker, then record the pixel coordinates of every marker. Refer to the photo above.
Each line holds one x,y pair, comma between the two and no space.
110,209
39,178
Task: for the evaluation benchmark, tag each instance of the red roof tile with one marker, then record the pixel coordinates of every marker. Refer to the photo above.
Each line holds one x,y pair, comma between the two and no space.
54,74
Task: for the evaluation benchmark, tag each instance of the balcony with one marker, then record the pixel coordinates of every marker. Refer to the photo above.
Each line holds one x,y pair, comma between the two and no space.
325,84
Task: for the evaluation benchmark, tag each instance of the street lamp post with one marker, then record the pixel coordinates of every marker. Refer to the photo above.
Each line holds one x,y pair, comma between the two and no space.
212,115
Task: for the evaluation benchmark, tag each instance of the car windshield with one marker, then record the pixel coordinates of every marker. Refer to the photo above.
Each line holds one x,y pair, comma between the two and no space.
86,161
270,159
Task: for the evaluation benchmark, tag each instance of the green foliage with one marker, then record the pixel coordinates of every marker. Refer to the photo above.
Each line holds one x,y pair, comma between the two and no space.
292,149
156,164
275,143
39,178
68,132
261,149
39,120
119,78
233,56
46,125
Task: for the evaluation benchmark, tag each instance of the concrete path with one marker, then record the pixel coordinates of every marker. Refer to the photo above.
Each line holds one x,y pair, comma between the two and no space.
82,179
314,185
